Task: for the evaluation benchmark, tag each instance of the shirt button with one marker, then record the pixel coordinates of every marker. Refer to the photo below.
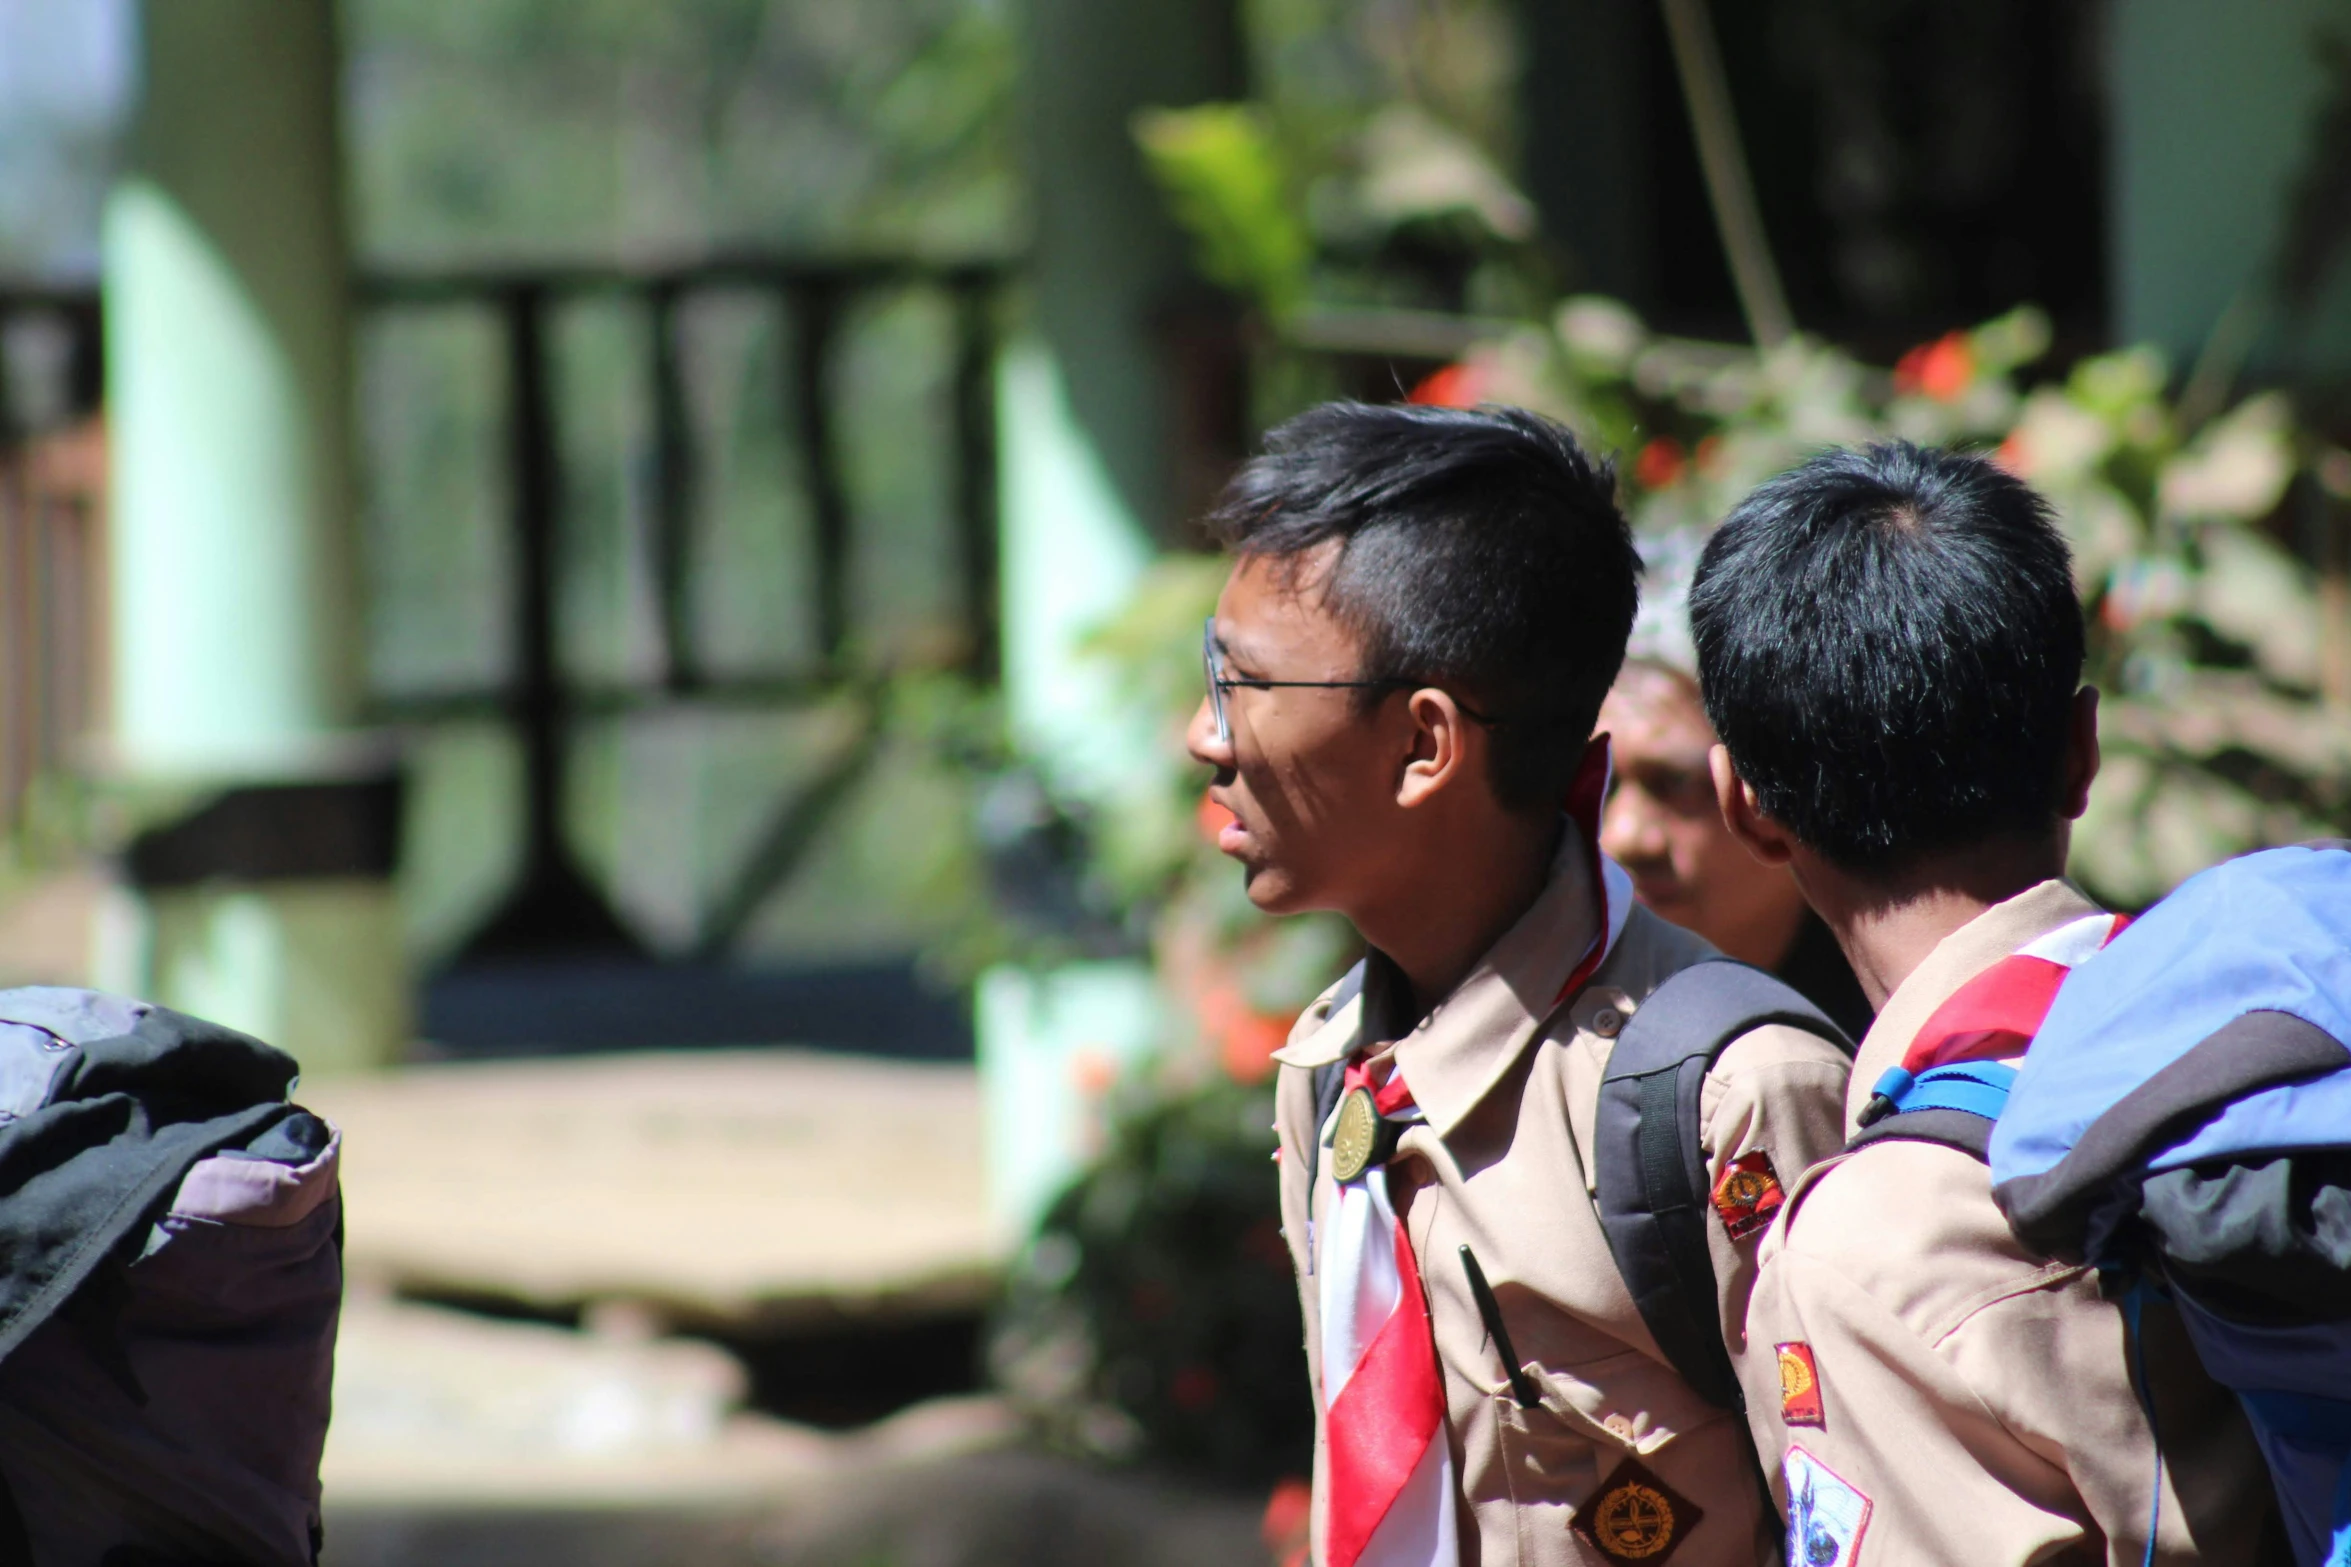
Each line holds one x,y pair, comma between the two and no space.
1619,1427
1607,1022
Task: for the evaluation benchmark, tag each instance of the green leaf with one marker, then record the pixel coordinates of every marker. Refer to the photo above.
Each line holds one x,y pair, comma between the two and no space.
1225,183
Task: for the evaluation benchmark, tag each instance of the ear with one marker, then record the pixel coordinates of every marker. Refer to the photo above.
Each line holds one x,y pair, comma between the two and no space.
2081,754
1442,754
1764,838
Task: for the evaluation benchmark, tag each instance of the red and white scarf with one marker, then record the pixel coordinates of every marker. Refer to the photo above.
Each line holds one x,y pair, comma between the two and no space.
1389,1500
1997,1013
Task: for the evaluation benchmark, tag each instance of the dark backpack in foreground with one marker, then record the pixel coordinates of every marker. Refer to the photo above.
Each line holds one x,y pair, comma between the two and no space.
1653,1191
170,1282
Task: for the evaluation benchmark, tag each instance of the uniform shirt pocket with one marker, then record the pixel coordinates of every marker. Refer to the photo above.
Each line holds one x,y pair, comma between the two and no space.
1558,1451
1626,1401
1552,1460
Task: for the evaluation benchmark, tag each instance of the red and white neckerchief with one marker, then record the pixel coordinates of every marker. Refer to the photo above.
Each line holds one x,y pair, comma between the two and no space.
1996,1014
1389,1500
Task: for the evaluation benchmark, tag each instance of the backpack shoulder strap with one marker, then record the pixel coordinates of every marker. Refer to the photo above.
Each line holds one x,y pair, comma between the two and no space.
1963,1130
1650,1161
1330,1079
1953,1106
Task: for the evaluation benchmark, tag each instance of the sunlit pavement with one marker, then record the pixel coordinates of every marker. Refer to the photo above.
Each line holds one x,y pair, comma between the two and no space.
723,1191
750,1196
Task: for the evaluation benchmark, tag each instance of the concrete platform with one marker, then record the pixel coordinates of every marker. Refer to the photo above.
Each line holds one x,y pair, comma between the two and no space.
999,1509
460,1441
440,1411
746,1192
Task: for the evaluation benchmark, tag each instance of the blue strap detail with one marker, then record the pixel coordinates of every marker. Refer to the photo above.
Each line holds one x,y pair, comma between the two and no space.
1977,1087
2134,1305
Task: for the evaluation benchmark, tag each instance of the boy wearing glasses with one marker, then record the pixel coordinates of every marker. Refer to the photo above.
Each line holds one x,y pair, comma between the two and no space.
1425,610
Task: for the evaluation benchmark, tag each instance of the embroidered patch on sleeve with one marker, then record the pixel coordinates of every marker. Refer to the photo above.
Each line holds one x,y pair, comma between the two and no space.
1799,1386
1826,1514
1748,1194
1636,1517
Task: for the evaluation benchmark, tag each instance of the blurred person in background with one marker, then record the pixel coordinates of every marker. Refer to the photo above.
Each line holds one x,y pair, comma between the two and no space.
1663,826
1426,609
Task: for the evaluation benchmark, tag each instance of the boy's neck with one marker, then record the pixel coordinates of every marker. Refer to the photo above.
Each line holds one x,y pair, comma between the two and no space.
1442,919
1889,925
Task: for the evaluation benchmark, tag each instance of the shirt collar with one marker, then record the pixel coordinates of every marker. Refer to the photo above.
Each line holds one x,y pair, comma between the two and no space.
1453,1058
1333,1037
1959,957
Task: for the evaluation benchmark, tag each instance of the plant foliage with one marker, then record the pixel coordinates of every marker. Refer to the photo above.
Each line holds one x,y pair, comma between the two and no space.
1155,1311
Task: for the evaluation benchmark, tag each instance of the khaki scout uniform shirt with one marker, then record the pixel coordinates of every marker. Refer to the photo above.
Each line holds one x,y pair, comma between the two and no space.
1510,1088
1972,1403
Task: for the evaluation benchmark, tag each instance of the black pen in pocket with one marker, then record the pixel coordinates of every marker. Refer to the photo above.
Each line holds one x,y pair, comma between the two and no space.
1490,1313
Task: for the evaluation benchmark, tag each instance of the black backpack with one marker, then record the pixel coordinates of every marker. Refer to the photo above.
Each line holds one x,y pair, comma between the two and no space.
163,1380
1653,1191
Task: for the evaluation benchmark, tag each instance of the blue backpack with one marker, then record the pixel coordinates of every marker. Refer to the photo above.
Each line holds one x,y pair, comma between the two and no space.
2183,1121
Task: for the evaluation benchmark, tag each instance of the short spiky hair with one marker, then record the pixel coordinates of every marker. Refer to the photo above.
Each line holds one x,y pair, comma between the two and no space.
1889,644
1481,550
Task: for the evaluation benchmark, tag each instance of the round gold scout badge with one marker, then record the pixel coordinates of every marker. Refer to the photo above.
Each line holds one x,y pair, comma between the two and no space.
1636,1517
1356,1137
1634,1522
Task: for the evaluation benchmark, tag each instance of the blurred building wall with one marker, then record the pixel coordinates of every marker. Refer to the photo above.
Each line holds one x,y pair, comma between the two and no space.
2216,113
1090,491
260,895
1088,404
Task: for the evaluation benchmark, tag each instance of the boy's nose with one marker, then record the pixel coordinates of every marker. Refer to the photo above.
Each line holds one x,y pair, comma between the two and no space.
1201,741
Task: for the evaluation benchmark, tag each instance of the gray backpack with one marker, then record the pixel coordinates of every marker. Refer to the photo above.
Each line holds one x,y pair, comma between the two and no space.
1653,1192
170,1282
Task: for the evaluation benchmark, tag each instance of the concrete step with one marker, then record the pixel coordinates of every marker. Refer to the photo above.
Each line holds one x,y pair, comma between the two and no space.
737,1192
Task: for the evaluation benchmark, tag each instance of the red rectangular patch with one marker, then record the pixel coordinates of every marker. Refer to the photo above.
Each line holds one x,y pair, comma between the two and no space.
1799,1386
1748,1194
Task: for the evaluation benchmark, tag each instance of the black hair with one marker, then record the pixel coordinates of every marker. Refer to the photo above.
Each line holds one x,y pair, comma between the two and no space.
1889,645
1480,550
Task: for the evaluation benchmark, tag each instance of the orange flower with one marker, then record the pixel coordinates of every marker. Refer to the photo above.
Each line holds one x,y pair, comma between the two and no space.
1455,386
1289,1514
1245,1039
1249,1041
1211,818
1093,1072
1942,369
1659,464
2015,455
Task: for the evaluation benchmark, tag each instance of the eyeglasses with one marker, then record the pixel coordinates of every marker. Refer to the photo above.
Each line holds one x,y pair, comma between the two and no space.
1212,660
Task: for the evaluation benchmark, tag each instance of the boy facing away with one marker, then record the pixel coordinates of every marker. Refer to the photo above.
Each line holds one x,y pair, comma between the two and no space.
1891,650
1426,609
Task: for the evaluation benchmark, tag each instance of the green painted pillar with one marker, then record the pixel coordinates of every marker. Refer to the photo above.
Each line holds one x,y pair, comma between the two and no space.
235,613
1088,419
2213,114
1087,403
